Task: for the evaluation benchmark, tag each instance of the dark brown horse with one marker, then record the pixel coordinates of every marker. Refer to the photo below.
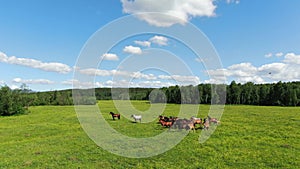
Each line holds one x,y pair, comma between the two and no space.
164,118
113,115
184,124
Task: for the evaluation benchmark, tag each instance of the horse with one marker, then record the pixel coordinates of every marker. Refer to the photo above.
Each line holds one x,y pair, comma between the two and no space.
137,117
213,120
206,124
113,115
166,119
173,118
180,123
190,126
166,123
161,117
187,125
184,124
196,120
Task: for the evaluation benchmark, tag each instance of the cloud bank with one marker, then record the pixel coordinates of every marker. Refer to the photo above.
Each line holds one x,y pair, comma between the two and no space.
176,11
49,67
33,81
287,70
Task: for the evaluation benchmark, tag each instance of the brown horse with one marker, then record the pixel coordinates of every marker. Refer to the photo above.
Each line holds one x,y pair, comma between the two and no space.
213,120
166,123
113,115
206,124
191,126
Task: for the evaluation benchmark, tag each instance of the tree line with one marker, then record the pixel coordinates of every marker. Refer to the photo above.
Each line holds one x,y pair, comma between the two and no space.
17,101
275,94
272,94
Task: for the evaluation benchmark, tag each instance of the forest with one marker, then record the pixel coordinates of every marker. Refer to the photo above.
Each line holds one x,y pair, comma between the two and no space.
273,94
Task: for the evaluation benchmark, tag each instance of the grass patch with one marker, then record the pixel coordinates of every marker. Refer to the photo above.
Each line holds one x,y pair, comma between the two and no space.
248,137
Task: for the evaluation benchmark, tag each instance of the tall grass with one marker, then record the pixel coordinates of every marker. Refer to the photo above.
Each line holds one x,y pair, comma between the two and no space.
248,137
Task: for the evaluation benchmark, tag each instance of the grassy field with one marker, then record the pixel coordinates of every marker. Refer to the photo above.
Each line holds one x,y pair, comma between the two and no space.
248,137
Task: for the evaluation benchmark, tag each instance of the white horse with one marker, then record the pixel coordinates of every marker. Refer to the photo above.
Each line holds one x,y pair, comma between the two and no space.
137,117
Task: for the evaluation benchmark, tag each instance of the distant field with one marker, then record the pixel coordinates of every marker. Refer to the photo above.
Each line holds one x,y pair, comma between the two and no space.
248,137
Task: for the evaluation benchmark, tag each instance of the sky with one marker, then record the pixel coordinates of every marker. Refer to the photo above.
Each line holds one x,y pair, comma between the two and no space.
42,42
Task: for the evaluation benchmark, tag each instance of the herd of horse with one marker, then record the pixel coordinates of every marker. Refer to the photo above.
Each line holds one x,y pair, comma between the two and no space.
187,124
177,123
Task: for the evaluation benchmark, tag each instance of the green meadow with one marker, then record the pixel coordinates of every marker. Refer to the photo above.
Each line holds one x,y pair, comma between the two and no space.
248,137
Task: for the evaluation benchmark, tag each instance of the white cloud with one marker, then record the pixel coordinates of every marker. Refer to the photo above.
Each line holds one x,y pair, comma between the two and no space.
287,70
95,72
3,57
110,56
119,83
139,75
160,40
132,50
272,68
50,66
33,81
100,72
2,83
147,83
17,80
200,60
233,1
279,54
176,11
82,85
254,79
218,73
181,80
153,84
13,87
216,80
143,43
242,70
292,58
118,73
280,72
268,55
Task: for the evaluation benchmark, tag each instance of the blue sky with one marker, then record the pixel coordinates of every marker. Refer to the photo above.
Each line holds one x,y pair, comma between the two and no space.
40,42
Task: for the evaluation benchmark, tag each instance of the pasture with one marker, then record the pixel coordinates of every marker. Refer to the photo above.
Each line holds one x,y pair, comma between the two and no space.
248,137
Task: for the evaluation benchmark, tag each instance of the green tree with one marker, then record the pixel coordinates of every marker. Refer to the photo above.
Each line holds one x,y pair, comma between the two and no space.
206,93
234,93
10,102
264,91
276,94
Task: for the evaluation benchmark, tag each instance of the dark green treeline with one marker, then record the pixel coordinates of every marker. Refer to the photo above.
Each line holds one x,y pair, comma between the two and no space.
275,94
